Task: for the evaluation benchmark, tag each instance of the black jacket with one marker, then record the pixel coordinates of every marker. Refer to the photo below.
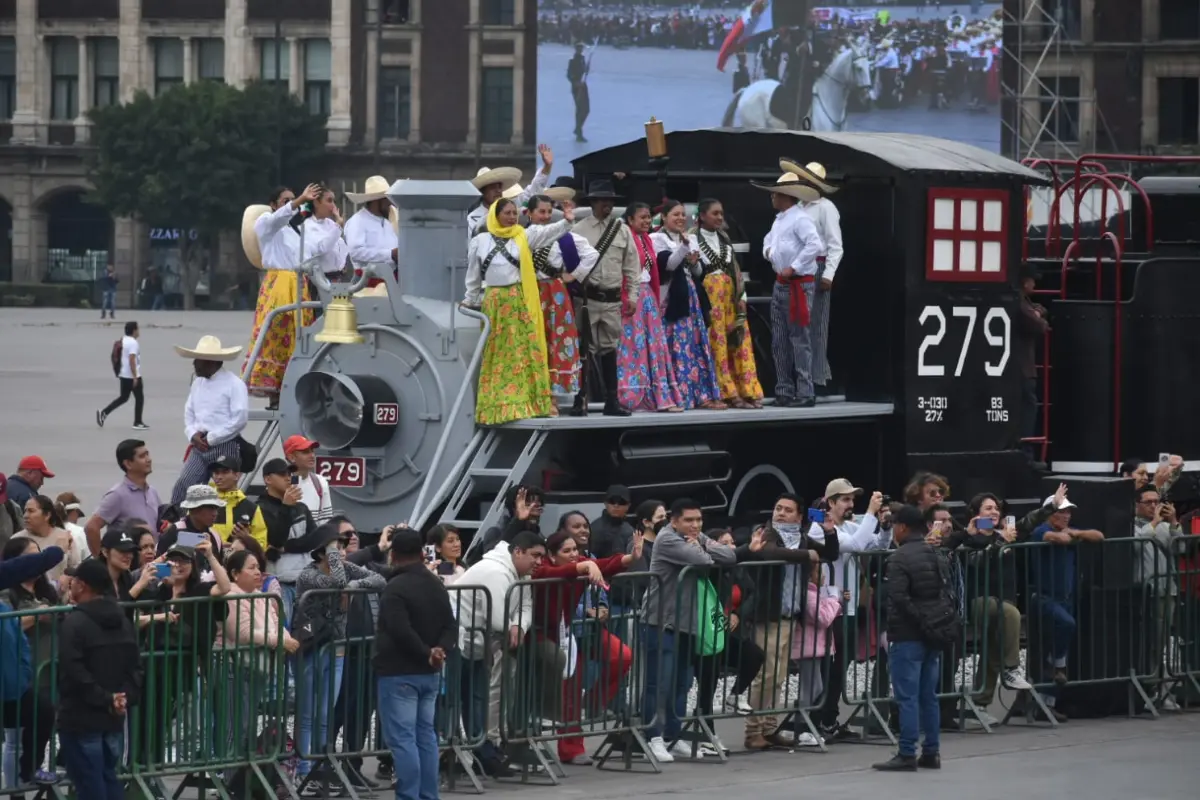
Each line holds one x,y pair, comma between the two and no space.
913,586
769,579
414,617
280,520
610,536
97,658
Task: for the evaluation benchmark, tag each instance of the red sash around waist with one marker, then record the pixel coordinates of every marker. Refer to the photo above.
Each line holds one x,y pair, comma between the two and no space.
798,299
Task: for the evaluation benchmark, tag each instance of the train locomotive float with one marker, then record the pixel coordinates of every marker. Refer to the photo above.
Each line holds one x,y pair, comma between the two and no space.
922,344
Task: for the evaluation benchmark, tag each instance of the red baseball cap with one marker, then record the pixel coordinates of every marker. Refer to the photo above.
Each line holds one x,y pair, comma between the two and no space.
297,443
35,463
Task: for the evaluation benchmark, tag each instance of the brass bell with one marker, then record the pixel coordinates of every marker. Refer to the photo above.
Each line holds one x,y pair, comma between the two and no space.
341,323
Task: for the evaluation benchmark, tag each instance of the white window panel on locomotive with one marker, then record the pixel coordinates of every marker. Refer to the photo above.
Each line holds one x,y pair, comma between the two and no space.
963,386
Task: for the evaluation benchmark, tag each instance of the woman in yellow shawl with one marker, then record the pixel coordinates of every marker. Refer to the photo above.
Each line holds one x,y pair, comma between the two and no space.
514,381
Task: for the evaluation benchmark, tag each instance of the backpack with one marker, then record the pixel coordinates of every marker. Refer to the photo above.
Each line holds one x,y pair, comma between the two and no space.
117,349
941,624
16,657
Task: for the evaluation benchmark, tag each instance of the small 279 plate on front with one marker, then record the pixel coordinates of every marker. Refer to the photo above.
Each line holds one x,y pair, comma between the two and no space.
347,472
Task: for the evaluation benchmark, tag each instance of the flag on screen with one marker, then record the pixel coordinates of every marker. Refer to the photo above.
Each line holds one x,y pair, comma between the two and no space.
754,23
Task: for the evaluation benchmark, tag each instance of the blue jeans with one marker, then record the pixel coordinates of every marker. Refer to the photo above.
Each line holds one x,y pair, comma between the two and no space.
407,705
1058,626
664,703
108,302
318,683
474,680
916,669
92,760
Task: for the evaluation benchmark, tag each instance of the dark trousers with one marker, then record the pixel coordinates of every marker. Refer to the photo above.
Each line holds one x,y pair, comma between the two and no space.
92,760
835,683
741,656
128,387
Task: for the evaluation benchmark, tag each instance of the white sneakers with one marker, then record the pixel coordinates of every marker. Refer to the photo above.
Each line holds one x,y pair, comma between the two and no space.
1015,679
659,749
806,739
737,703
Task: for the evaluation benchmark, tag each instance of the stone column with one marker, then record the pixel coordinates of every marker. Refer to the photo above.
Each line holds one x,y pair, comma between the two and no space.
82,126
189,61
295,76
339,44
237,42
132,46
25,115
19,189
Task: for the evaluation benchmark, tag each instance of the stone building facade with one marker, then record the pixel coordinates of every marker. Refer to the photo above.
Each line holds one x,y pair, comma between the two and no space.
410,88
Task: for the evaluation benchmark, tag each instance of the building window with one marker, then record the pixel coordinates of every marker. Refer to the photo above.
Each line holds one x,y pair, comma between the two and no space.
395,98
210,60
168,64
64,78
967,235
275,57
395,12
106,72
497,123
1179,19
318,67
1179,110
499,12
1060,110
8,77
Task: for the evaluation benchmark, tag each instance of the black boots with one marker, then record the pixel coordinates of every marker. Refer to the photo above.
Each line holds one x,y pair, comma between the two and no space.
612,408
580,407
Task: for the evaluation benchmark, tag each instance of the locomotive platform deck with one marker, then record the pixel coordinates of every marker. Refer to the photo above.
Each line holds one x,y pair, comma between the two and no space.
830,409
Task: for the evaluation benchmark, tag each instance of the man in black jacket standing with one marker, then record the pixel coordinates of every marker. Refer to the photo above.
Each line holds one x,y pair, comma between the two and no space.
100,679
417,630
915,607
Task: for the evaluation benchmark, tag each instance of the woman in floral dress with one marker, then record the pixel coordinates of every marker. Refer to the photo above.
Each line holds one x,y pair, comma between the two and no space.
683,313
514,381
644,374
728,331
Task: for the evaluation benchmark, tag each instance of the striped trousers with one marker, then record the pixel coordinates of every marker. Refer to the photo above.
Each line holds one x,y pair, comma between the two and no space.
819,331
195,467
791,345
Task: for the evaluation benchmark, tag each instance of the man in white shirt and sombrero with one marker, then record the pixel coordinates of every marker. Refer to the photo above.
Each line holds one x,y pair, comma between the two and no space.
824,215
493,183
371,234
792,247
216,412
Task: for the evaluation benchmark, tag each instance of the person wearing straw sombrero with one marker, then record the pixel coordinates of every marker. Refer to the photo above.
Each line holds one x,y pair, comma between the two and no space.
217,408
493,183
271,240
792,247
514,380
371,236
824,215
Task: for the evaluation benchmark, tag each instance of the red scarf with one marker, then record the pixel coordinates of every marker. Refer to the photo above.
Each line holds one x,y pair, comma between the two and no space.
648,259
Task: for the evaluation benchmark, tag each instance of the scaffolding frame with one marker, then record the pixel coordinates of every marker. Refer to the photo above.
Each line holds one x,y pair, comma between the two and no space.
1037,31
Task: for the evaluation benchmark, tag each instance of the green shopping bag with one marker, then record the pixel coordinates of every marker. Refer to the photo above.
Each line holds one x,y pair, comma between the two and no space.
710,620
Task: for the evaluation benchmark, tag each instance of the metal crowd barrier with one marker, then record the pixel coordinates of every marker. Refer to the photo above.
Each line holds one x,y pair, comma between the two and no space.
577,671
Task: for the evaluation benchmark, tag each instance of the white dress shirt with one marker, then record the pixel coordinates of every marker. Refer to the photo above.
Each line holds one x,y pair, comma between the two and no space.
588,256
370,239
479,213
853,538
502,271
279,243
825,216
793,242
218,406
888,59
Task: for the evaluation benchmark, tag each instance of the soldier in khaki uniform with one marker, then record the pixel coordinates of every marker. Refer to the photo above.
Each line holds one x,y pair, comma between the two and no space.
601,310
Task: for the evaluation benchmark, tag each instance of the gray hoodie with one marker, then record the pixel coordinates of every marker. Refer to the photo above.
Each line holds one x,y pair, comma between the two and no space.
672,554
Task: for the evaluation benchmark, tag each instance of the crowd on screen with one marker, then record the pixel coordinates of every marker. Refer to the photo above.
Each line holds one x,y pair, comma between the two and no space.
646,615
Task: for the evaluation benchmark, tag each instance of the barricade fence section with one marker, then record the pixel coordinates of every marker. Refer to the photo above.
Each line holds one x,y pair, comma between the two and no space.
230,699
572,664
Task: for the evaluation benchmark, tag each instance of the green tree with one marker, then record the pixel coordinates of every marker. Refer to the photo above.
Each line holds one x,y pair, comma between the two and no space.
194,157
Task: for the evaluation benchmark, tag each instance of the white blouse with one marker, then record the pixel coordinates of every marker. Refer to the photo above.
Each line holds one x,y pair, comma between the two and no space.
679,245
503,271
716,244
588,256
280,244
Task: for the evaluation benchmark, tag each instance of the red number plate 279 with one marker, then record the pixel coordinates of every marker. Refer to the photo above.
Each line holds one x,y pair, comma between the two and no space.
348,472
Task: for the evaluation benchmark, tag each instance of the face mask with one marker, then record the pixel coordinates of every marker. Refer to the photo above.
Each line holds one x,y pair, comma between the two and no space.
658,526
